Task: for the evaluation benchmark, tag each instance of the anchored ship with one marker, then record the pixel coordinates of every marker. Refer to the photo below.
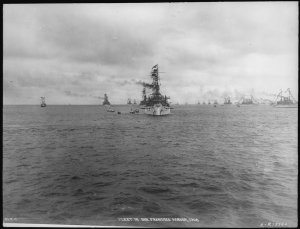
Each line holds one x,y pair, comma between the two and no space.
107,105
287,101
43,103
106,102
247,100
215,103
227,101
155,104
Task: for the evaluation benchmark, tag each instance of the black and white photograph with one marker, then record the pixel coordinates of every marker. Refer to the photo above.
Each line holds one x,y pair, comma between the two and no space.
180,114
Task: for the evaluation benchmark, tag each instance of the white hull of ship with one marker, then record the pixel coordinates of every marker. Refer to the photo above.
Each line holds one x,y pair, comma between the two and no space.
248,105
157,110
287,106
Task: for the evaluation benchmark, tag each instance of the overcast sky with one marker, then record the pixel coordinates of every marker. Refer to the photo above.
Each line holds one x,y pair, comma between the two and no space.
74,53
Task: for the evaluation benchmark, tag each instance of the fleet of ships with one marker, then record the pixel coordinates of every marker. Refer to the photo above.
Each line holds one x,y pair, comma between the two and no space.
157,104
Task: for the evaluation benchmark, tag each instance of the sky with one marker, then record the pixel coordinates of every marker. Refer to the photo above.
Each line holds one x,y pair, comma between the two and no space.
74,53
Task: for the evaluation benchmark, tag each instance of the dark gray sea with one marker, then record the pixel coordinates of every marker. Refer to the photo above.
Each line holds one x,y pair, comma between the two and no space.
201,166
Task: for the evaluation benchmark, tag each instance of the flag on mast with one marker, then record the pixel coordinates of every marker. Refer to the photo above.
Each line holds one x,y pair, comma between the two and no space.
155,67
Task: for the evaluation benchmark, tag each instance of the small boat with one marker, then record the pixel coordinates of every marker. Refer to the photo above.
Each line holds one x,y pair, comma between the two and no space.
109,109
135,111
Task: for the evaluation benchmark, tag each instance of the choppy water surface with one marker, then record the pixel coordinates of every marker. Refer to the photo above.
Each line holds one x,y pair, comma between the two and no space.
225,166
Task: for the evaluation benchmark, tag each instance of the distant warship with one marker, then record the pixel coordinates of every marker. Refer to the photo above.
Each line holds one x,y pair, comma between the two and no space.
107,105
247,100
286,101
106,102
155,104
215,103
43,103
227,101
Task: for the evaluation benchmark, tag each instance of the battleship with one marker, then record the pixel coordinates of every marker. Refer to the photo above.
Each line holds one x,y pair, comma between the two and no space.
107,105
43,103
287,101
215,103
227,101
155,104
105,102
247,100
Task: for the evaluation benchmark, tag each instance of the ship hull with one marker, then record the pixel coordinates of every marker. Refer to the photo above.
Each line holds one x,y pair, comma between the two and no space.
157,110
245,105
287,106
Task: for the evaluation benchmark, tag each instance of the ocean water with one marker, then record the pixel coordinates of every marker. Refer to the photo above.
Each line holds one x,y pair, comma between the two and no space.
222,166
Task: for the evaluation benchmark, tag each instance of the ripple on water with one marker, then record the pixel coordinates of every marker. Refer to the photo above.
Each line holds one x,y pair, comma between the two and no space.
155,189
233,167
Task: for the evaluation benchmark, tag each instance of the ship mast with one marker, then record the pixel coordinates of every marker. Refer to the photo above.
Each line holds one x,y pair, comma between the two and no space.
155,80
290,95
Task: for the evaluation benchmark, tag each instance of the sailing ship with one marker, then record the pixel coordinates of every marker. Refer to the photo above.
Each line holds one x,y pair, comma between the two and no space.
227,101
134,101
43,103
129,101
287,101
155,104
